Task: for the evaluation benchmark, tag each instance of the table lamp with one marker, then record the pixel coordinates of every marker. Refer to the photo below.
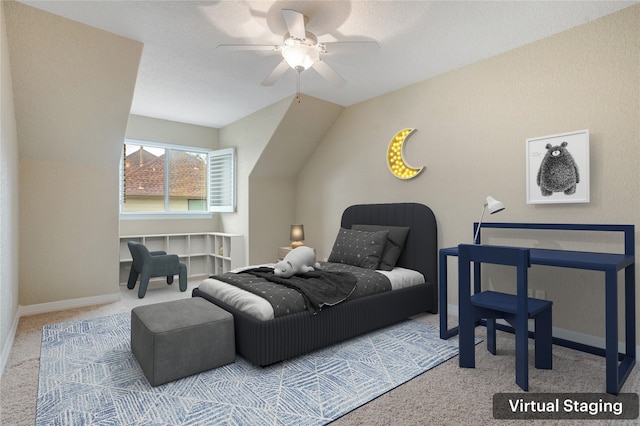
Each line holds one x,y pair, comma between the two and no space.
493,206
296,235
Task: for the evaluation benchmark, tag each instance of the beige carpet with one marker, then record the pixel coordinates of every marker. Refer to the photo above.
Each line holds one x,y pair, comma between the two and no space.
445,395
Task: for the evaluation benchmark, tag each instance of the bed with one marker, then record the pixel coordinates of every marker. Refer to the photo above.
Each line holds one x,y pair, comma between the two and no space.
264,342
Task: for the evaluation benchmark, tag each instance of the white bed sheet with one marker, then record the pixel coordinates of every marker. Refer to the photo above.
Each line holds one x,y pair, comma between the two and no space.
261,309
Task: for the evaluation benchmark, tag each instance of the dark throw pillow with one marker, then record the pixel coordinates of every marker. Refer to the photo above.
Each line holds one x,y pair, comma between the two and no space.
395,243
358,248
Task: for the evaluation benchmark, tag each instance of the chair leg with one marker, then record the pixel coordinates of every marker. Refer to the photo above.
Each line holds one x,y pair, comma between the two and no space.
144,282
182,277
491,335
466,336
544,341
133,277
522,353
169,279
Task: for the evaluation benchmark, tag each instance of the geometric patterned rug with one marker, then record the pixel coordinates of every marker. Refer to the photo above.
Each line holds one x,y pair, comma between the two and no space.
88,376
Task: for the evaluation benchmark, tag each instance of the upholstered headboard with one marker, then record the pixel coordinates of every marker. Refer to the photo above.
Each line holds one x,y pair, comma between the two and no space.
421,248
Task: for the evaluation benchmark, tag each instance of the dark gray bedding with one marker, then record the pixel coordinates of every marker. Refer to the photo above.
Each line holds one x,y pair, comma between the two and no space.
333,284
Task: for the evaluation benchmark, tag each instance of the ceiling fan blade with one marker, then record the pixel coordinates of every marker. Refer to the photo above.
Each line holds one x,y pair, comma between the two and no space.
276,73
295,23
351,46
248,47
328,73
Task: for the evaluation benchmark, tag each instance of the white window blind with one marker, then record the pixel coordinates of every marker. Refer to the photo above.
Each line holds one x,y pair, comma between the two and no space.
222,185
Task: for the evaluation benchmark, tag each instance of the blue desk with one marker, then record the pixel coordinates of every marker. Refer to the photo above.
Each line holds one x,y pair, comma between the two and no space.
618,366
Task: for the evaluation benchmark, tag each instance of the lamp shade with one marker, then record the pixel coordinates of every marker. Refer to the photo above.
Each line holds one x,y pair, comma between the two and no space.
296,235
300,56
493,205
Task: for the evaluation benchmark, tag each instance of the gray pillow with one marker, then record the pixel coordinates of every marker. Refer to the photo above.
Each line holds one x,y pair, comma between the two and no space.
358,248
395,243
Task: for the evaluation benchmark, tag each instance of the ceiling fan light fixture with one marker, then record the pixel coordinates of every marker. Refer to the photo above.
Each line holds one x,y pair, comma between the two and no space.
299,55
300,50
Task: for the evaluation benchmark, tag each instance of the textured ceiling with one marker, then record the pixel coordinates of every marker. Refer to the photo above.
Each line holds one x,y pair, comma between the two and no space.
184,77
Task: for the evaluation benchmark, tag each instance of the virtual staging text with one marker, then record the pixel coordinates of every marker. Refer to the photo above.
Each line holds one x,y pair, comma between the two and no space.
565,406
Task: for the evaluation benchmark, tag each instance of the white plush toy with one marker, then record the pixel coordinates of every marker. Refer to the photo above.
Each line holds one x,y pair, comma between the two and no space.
298,261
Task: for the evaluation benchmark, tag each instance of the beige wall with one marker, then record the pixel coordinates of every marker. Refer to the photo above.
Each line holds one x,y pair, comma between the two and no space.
472,125
73,87
8,202
273,145
170,132
250,136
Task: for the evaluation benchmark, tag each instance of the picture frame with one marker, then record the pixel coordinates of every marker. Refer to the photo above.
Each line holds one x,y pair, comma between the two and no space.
564,176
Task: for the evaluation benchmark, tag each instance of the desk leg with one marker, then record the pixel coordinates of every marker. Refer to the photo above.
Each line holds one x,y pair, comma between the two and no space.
445,331
629,359
630,311
617,373
611,331
444,311
466,320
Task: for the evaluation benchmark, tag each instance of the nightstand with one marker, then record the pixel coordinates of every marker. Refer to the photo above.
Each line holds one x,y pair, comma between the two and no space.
283,251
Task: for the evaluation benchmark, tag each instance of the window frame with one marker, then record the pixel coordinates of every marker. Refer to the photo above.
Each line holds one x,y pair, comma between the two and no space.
179,214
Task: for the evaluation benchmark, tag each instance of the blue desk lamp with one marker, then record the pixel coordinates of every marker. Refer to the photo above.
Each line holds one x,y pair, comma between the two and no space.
493,206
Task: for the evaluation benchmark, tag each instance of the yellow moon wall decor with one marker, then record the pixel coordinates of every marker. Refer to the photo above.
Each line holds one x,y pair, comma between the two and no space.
395,156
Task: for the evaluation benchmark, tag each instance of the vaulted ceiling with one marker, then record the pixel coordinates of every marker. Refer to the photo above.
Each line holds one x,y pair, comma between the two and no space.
184,77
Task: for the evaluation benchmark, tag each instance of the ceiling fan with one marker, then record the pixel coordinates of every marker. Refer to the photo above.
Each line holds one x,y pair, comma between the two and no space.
300,50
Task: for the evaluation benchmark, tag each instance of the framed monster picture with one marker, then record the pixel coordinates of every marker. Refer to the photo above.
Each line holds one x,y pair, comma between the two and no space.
558,168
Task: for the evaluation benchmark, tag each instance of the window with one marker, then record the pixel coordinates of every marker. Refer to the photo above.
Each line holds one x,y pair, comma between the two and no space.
159,178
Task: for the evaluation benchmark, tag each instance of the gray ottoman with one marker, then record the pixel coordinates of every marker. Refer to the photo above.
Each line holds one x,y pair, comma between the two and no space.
176,339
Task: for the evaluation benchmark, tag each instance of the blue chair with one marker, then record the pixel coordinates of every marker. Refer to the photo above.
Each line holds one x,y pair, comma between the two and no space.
516,309
148,264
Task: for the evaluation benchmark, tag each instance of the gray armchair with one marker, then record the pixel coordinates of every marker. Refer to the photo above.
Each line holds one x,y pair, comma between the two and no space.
148,264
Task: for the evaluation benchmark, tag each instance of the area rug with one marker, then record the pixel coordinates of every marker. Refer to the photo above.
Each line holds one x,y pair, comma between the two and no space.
88,376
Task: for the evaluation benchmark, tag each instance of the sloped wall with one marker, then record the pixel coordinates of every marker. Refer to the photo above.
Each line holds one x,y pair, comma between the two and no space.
73,87
273,145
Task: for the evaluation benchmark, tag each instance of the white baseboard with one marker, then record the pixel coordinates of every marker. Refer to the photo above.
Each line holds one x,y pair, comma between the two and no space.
61,305
8,344
573,336
42,308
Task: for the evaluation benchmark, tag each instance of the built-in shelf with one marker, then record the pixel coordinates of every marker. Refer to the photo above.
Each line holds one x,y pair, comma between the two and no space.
204,254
